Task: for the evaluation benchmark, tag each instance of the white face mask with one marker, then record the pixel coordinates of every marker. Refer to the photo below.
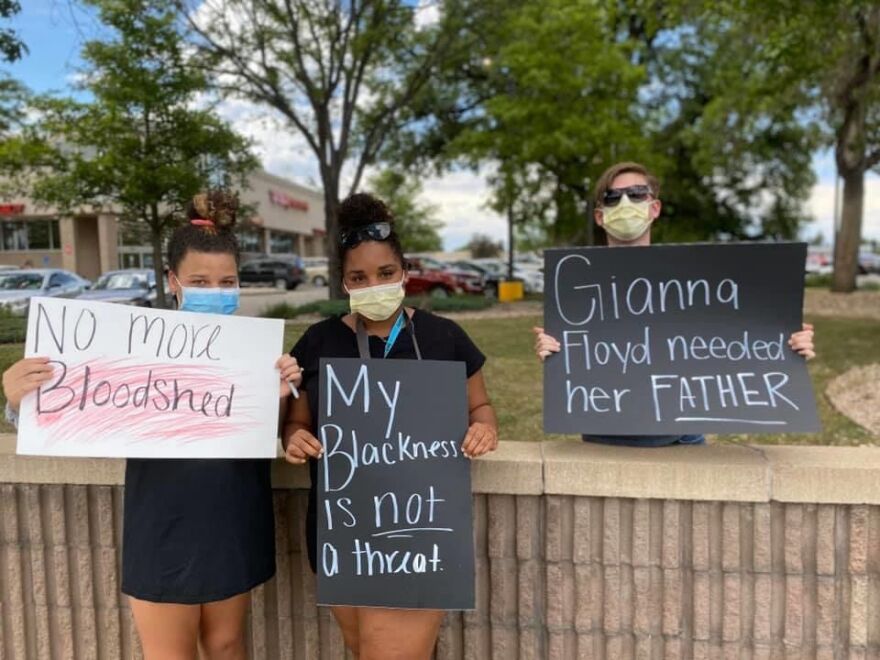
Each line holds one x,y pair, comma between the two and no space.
377,303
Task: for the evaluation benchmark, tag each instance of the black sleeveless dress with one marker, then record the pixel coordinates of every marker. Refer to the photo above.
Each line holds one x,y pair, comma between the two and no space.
196,530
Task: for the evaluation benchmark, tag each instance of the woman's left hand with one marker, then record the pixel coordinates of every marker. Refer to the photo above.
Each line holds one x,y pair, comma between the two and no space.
481,438
802,342
290,373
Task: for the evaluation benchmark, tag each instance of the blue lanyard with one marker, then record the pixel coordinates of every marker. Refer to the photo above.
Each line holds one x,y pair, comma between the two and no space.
395,332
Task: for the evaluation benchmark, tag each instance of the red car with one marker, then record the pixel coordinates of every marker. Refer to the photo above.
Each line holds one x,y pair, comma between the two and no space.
464,281
427,281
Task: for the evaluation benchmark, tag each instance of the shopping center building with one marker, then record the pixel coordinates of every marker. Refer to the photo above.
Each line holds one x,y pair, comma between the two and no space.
285,218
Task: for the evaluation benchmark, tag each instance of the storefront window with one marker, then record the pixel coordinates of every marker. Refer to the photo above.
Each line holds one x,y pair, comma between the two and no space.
249,240
282,243
14,236
30,235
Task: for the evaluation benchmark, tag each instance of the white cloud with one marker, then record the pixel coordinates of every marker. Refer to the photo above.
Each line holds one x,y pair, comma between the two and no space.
460,198
821,206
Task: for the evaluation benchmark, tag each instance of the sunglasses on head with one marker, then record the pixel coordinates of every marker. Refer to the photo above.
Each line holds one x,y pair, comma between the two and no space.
639,193
378,231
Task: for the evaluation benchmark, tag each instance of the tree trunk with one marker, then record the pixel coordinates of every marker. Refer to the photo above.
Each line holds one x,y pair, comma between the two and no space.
331,221
846,242
158,257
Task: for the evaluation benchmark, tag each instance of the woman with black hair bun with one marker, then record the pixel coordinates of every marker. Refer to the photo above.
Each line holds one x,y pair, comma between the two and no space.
198,534
374,274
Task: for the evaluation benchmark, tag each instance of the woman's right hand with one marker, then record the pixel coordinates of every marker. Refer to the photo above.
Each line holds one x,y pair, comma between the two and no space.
24,377
545,345
301,446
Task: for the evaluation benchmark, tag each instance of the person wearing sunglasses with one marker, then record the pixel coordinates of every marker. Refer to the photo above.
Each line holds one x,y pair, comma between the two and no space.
627,206
380,326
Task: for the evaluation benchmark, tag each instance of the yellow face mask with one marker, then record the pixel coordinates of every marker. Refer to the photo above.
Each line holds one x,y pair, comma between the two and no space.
376,303
628,220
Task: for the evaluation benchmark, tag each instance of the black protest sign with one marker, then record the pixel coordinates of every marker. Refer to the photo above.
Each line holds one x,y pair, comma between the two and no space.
394,490
675,339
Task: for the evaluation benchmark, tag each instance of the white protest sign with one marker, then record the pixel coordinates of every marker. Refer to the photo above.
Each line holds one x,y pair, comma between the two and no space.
147,383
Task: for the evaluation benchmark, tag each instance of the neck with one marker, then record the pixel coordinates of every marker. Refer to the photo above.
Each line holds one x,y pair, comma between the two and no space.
381,328
644,239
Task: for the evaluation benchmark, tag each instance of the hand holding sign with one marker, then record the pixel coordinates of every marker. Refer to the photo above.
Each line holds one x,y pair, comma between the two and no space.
24,377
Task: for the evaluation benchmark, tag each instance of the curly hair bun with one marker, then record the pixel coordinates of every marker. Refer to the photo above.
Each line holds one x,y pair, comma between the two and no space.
217,205
362,209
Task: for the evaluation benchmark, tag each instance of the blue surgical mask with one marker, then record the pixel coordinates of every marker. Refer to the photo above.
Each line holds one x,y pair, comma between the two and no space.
209,301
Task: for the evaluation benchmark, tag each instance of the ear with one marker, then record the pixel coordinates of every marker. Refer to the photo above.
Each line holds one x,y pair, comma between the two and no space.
173,282
597,214
655,208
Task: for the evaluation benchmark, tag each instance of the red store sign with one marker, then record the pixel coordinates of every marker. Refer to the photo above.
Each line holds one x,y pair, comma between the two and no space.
287,202
11,209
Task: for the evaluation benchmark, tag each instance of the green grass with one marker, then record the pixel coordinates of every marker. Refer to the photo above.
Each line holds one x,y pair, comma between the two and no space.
514,378
515,383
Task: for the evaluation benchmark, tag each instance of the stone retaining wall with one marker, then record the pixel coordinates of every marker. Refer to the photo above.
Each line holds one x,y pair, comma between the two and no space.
582,552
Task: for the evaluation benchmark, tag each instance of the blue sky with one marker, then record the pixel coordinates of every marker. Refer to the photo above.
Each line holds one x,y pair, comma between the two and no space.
54,30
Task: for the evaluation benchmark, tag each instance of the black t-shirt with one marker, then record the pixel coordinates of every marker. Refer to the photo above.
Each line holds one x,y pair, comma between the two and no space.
439,339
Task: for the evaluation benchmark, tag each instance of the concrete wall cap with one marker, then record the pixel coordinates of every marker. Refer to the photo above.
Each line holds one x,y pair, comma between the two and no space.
716,472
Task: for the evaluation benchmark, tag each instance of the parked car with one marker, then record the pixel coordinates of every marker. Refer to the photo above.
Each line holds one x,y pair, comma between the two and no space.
17,287
819,261
131,286
317,270
467,281
490,277
280,271
869,262
529,261
533,280
429,281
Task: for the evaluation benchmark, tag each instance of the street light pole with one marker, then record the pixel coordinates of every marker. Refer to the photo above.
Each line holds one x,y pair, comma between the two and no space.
509,239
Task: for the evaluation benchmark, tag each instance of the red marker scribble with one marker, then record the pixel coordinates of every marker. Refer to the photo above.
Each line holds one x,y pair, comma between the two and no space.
154,403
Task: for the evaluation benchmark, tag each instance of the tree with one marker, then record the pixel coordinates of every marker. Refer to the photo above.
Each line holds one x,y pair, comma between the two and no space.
140,144
339,74
482,246
414,222
822,61
12,48
552,93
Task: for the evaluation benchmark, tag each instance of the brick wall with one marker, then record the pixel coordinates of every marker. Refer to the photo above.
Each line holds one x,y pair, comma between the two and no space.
565,568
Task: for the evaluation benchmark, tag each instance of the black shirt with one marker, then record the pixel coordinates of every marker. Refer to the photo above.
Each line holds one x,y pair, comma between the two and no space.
439,339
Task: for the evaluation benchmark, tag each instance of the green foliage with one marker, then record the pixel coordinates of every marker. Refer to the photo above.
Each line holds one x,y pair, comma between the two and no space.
554,92
816,62
414,222
13,329
482,246
816,280
141,143
339,74
12,48
327,308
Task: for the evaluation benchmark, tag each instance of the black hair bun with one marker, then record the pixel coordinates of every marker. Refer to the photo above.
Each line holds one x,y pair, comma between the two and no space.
362,209
217,205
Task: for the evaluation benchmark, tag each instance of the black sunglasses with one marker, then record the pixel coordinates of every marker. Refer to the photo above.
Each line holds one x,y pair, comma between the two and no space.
638,193
378,231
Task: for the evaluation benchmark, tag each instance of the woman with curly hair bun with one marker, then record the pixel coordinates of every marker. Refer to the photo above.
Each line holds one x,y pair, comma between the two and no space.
198,534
